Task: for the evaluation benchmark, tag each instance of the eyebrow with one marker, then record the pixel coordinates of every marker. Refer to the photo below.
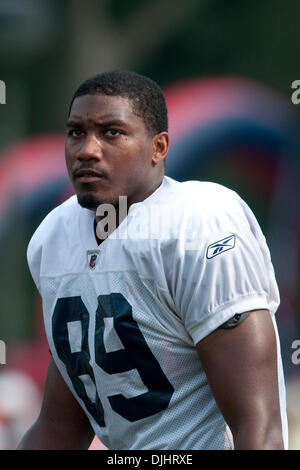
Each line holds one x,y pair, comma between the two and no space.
111,122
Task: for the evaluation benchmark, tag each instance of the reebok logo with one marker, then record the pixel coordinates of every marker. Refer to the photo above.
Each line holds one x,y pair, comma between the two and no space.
220,246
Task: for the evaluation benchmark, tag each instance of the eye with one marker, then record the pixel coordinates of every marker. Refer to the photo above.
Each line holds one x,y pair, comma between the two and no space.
75,132
112,132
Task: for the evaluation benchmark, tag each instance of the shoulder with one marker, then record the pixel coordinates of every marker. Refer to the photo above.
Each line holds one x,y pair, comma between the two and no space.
208,194
200,193
205,206
53,225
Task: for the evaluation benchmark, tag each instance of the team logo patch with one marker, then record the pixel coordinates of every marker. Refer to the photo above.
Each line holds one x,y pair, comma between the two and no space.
92,258
220,246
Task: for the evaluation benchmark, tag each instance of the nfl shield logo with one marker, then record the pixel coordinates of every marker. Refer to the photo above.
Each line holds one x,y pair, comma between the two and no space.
92,258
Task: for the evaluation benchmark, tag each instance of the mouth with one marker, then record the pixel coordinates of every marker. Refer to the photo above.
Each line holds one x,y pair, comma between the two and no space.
87,176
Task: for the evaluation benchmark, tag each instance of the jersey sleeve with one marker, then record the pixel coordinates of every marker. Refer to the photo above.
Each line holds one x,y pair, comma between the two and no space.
225,270
42,237
34,255
44,245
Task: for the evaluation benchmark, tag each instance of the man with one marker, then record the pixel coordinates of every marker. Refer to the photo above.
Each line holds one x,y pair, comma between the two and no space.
162,332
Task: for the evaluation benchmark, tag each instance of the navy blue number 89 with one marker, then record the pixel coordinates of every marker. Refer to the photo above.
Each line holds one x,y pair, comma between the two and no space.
135,355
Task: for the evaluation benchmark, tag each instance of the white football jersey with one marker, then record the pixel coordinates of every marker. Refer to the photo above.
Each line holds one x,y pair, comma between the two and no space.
122,319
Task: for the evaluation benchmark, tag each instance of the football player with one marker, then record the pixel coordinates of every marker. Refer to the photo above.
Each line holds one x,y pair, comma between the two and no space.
162,333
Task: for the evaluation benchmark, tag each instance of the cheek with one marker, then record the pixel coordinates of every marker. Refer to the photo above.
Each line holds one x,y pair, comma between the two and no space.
135,166
68,157
139,157
137,174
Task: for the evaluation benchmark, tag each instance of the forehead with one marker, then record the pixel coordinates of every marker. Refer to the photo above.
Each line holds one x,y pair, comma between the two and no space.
103,107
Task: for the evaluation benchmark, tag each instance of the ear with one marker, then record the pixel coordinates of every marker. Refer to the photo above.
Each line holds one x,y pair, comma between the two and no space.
161,143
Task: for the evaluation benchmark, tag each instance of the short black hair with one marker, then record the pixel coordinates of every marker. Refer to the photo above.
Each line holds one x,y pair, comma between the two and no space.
146,95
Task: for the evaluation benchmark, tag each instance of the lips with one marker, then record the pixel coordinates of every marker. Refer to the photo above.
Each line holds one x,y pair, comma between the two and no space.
87,175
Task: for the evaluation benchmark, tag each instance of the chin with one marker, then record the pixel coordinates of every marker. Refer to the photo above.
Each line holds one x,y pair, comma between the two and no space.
88,201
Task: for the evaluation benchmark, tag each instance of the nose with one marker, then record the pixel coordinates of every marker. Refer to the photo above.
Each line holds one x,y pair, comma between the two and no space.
90,149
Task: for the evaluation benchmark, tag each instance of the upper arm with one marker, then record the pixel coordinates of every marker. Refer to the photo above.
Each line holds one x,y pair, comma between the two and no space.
241,367
62,424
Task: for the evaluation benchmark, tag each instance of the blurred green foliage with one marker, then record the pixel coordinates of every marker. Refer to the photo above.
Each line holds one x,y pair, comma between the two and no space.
252,38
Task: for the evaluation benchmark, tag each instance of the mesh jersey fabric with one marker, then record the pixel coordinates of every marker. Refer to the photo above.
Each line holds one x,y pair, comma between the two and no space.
123,334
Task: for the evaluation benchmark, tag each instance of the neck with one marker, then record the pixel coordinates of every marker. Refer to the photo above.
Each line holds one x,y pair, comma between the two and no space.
145,194
105,224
